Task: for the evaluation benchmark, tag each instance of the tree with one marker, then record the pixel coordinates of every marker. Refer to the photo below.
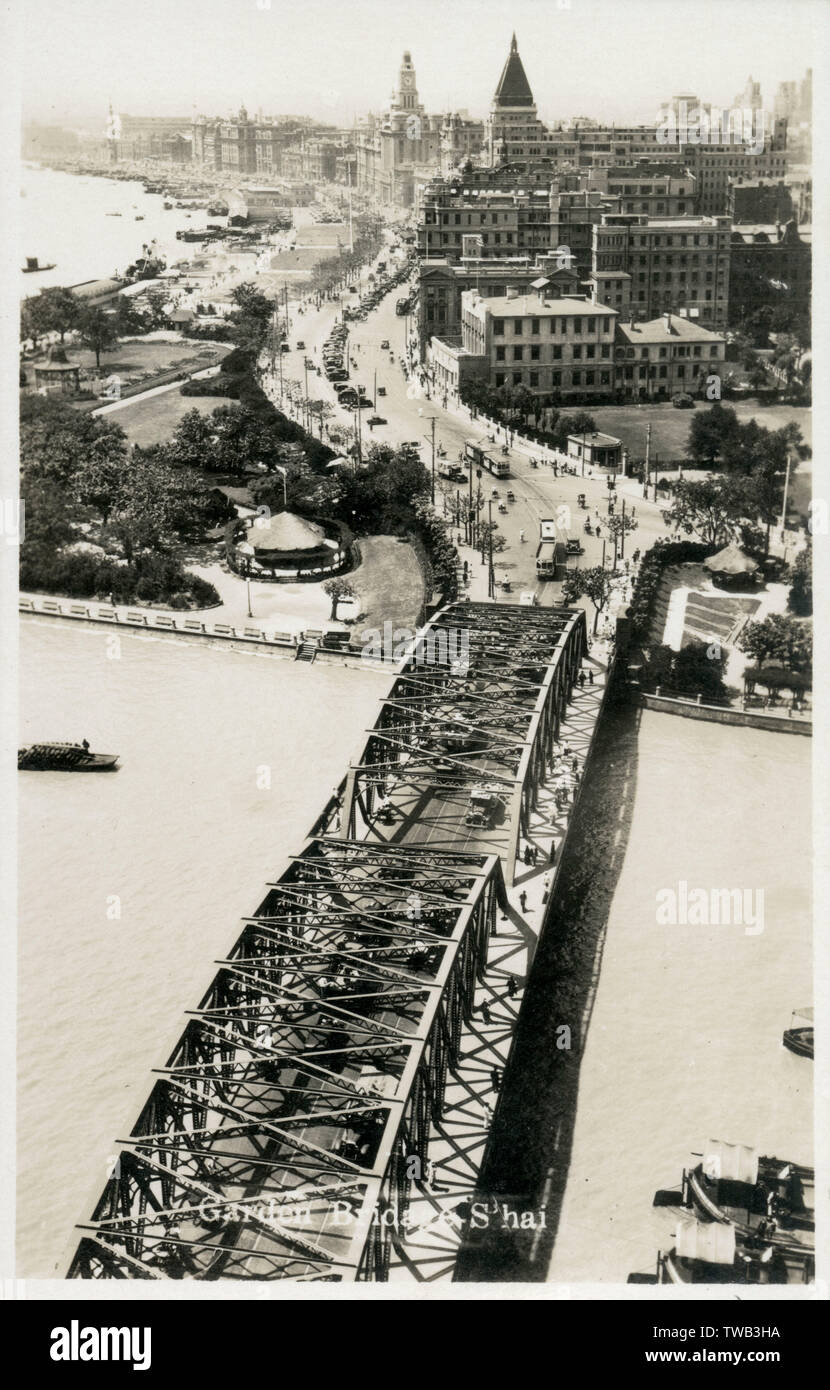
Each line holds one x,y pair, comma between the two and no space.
594,583
34,319
779,637
800,600
97,331
56,442
60,310
619,526
709,433
99,479
337,589
146,509
709,509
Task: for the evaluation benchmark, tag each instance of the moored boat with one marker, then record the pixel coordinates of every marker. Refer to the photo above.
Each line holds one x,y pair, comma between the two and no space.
799,1036
710,1253
63,757
33,265
763,1198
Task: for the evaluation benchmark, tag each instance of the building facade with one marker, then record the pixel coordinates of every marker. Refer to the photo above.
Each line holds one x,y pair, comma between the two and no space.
771,266
399,149
680,265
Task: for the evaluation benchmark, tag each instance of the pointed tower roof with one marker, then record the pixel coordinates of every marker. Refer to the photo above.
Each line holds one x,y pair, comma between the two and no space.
513,88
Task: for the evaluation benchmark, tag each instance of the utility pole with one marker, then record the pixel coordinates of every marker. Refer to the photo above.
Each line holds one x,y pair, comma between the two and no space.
622,532
432,422
470,504
786,490
491,586
306,408
375,392
648,456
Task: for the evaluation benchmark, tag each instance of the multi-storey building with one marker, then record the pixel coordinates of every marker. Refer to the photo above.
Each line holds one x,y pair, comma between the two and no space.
462,140
149,137
676,264
573,348
442,284
550,346
665,356
400,148
508,211
760,201
646,186
243,146
771,265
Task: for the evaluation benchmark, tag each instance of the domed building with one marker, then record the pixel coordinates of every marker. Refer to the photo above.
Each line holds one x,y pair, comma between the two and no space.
288,546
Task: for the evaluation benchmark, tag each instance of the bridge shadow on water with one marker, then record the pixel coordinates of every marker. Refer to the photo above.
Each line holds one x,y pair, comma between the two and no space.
526,1164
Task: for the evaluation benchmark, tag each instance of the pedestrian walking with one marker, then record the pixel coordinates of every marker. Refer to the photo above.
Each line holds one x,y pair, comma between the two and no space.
495,1078
526,855
511,986
535,854
546,882
552,855
523,900
485,1014
590,677
581,679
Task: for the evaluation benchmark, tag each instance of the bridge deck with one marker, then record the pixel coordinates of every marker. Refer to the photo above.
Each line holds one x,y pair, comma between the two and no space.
337,1050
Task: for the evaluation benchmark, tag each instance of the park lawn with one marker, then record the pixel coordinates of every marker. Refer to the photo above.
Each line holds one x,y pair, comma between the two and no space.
134,358
670,426
153,419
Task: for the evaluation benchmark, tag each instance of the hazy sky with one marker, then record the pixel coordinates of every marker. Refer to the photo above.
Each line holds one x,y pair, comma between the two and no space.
608,58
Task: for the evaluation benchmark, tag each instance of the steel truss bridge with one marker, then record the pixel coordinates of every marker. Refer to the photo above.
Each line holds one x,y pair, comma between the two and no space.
289,1130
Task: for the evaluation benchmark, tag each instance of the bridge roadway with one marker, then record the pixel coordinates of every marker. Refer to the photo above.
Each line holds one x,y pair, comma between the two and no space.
335,1069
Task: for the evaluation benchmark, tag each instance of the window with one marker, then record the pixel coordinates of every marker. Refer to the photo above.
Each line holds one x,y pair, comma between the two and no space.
589,378
662,371
534,327
606,350
499,378
577,325
499,354
518,354
517,378
576,378
498,327
517,327
681,371
534,378
577,351
557,352
604,378
534,353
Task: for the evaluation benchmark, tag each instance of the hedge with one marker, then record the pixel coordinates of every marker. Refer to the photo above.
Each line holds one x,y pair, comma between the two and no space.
661,555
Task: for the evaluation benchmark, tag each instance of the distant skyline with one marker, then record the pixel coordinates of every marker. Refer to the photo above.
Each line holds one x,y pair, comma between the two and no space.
611,59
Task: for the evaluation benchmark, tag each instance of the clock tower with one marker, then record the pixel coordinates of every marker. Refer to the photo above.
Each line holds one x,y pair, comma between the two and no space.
407,94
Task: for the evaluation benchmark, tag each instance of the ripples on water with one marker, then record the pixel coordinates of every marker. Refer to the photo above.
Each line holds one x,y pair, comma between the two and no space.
182,836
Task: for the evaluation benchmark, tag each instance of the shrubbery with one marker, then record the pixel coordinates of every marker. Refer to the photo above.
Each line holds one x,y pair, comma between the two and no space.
83,574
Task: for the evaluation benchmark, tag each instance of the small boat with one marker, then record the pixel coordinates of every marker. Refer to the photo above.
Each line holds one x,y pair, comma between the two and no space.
139,217
112,214
763,1198
799,1036
63,757
32,266
167,207
709,1253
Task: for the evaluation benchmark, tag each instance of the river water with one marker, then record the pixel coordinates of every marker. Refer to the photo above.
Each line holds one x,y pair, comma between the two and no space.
63,219
132,883
684,1042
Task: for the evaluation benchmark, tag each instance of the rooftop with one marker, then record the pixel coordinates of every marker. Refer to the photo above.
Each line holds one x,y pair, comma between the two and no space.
513,88
657,331
529,305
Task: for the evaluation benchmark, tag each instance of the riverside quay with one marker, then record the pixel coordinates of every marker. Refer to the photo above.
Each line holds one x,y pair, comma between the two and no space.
321,1115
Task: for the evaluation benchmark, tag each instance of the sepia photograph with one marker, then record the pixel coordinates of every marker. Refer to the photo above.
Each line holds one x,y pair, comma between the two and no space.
409,520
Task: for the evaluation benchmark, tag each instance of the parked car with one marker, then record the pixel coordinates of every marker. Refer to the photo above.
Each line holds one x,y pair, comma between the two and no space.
528,599
682,401
385,343
300,345
376,420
